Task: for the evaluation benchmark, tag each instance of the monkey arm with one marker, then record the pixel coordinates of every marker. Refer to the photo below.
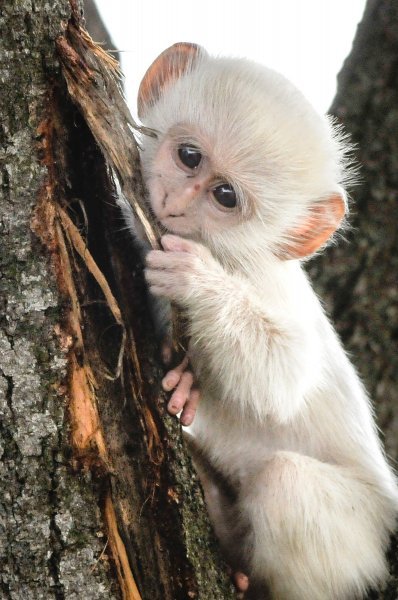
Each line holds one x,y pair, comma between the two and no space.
253,356
247,352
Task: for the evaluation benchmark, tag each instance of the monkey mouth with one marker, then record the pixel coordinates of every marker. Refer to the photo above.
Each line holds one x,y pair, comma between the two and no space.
172,224
171,218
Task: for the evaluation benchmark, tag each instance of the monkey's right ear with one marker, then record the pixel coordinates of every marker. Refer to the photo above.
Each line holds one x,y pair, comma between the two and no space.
169,66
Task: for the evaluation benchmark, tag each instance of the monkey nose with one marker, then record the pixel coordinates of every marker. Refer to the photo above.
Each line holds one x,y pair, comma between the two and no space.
176,202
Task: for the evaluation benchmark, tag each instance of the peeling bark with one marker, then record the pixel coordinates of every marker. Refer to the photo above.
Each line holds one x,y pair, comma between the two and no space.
96,28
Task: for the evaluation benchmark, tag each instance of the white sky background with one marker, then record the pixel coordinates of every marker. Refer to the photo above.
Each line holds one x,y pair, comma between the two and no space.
306,40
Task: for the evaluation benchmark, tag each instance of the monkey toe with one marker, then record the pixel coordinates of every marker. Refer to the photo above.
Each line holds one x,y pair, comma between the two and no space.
173,377
189,410
241,581
181,393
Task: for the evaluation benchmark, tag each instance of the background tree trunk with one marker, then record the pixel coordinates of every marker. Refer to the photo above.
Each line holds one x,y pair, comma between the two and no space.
96,28
358,279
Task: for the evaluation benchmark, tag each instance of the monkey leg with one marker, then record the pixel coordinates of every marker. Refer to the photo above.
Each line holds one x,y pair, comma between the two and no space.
318,531
227,523
222,505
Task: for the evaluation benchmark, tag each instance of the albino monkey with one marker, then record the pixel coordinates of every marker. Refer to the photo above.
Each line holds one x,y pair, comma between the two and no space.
248,181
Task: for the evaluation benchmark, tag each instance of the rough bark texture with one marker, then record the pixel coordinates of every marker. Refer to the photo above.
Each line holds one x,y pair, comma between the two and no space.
358,279
51,534
98,498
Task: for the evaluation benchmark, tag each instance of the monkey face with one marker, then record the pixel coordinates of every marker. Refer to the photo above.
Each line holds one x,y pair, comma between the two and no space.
188,195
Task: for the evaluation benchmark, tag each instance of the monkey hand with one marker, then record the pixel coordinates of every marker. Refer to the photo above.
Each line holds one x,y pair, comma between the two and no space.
185,397
174,273
181,270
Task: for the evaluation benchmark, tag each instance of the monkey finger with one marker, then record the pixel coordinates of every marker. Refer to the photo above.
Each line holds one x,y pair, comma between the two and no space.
156,259
159,291
189,410
171,379
174,243
181,393
154,276
167,279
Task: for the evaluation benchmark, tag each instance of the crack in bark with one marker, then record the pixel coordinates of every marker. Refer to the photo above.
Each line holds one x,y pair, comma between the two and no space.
11,453
5,589
5,185
10,449
9,391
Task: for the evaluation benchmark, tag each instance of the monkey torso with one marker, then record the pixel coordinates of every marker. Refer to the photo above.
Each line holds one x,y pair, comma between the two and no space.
335,422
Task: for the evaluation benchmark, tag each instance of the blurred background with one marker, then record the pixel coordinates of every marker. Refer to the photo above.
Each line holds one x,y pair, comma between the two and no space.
307,41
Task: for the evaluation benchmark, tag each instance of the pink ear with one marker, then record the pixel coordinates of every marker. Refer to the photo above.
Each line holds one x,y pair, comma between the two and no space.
168,66
324,219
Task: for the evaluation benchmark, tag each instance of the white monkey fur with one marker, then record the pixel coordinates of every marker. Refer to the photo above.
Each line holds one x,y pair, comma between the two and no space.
283,415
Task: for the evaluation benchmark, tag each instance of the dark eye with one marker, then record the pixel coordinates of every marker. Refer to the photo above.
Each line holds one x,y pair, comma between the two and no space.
225,195
189,156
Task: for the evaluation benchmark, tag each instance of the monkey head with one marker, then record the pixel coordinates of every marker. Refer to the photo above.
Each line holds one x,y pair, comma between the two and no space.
241,161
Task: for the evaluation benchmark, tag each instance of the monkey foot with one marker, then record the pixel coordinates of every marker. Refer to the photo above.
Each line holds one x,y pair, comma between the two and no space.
241,581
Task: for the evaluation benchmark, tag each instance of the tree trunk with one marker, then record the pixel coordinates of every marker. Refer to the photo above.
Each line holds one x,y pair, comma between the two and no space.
358,278
98,497
52,532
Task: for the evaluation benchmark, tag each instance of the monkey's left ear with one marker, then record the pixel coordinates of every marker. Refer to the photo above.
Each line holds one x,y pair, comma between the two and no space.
325,217
169,66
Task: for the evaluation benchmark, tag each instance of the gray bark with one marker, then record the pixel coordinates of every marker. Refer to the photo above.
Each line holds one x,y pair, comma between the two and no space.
51,531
